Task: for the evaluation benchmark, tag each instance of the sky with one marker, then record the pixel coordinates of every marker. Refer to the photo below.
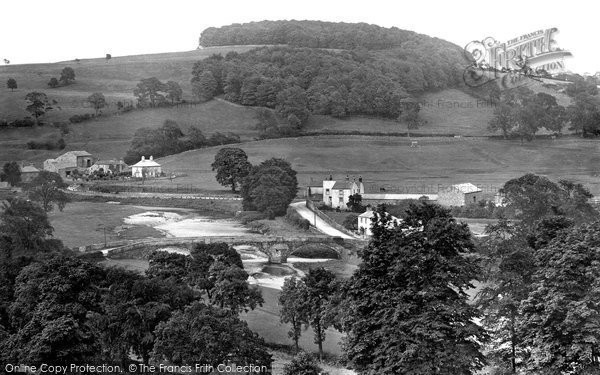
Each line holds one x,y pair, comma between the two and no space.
42,31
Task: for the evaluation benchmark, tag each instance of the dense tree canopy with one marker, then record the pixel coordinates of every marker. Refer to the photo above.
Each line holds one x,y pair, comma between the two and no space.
561,314
208,335
170,139
406,310
270,187
535,197
522,113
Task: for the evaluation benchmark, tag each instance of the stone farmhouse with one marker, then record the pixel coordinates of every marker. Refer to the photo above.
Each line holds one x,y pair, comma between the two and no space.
69,162
146,168
460,195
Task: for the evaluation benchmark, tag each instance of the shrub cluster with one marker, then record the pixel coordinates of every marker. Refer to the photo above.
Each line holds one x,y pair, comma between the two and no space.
296,220
81,118
48,144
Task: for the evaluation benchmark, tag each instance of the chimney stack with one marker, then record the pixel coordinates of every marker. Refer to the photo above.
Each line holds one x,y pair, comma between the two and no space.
330,177
151,157
143,157
347,178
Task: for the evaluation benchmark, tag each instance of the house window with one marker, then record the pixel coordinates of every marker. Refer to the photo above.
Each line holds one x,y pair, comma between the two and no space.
474,199
327,191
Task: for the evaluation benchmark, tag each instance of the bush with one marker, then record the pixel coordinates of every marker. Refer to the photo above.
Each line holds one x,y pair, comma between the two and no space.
296,220
47,144
258,227
81,118
302,364
249,216
351,222
24,123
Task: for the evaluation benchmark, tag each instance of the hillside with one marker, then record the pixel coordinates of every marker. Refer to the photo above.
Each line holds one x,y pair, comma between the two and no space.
110,137
115,78
392,162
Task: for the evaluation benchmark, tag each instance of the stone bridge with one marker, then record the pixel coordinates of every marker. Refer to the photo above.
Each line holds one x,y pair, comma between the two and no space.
277,249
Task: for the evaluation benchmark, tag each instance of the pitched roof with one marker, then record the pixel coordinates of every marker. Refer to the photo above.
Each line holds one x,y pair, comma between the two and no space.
29,169
78,153
109,161
146,163
345,185
466,188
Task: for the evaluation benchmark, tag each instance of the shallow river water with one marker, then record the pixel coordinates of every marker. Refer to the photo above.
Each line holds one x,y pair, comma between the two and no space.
178,224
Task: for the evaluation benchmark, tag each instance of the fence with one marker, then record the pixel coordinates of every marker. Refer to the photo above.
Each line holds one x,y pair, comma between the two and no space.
153,195
311,206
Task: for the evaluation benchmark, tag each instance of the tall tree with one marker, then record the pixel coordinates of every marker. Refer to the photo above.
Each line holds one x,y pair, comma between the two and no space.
231,165
174,91
53,302
319,284
536,197
293,311
561,314
11,172
507,284
97,100
46,189
24,226
149,92
231,290
270,187
38,104
205,87
67,75
11,84
406,310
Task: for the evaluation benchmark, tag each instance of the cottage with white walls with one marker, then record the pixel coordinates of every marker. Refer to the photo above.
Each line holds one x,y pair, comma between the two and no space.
337,194
365,222
146,168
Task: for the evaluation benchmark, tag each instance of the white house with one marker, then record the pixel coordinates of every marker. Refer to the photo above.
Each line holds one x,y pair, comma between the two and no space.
337,194
146,168
460,195
365,222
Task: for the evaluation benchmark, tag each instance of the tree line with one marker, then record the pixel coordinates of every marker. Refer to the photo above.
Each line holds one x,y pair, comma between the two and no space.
169,139
268,187
521,112
300,81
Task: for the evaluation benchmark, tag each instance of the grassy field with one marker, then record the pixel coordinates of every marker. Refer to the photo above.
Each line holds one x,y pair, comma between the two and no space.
391,162
83,223
116,79
110,137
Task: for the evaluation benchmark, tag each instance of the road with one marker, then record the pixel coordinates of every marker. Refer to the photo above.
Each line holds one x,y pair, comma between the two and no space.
321,224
